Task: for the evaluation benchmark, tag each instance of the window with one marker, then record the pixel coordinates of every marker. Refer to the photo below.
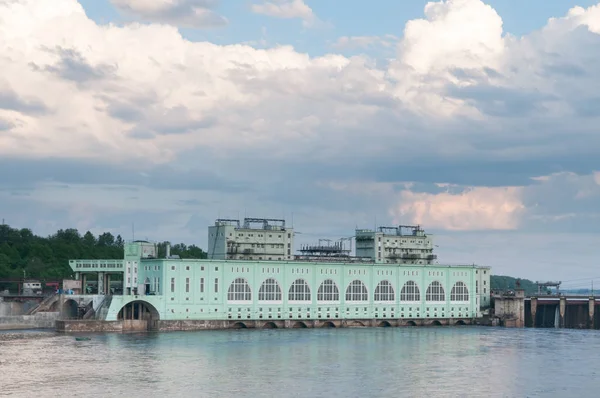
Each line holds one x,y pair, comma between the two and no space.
328,291
459,292
172,285
201,285
410,292
216,285
187,285
357,291
269,291
435,292
299,291
384,292
239,290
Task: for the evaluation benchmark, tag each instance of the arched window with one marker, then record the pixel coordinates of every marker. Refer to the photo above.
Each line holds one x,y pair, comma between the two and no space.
299,291
357,291
435,292
459,292
384,292
239,290
410,292
328,291
269,291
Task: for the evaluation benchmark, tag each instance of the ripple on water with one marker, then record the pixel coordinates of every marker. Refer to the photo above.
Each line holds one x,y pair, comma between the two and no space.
417,362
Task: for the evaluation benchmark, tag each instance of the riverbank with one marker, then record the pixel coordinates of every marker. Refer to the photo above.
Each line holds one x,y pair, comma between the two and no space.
41,320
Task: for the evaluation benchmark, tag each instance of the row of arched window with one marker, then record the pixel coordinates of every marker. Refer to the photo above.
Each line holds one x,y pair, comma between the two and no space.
239,290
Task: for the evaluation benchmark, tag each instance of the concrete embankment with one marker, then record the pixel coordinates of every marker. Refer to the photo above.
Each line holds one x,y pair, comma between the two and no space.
41,320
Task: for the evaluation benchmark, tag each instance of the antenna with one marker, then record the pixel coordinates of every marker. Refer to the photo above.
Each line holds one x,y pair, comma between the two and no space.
292,220
132,231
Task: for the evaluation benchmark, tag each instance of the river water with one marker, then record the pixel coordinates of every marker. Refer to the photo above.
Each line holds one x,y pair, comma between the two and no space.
378,362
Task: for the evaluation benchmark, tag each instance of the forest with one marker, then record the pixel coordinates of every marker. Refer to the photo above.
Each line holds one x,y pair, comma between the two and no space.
23,254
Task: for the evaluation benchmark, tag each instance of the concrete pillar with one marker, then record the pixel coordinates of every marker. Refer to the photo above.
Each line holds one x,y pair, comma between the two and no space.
533,310
591,308
562,310
108,284
100,282
83,283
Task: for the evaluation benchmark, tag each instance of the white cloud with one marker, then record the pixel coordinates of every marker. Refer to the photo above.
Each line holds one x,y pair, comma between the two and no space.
474,209
185,13
456,34
461,105
286,9
364,42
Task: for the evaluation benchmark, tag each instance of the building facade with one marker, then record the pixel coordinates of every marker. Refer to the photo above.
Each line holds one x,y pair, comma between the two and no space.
405,244
255,239
258,290
252,275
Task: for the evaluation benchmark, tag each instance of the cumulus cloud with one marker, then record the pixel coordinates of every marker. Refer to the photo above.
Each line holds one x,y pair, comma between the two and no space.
338,139
185,13
455,33
477,208
286,9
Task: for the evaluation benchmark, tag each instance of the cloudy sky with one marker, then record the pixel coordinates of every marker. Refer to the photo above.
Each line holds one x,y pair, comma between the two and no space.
478,120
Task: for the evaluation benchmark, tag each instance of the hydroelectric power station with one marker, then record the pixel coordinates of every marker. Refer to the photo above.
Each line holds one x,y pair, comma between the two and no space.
254,279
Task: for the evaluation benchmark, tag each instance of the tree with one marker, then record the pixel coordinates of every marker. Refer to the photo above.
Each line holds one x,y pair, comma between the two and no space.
89,239
48,258
106,239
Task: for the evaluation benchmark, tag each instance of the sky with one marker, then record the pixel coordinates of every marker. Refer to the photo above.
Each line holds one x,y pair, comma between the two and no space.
476,119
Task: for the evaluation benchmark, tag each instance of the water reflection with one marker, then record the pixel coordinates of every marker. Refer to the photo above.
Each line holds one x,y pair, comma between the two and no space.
465,361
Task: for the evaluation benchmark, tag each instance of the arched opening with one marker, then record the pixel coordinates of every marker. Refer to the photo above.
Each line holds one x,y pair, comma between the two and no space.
269,325
357,291
327,325
411,323
436,323
239,325
356,324
54,307
384,324
460,323
139,315
299,325
69,309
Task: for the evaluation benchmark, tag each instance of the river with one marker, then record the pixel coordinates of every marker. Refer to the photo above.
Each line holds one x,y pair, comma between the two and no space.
378,362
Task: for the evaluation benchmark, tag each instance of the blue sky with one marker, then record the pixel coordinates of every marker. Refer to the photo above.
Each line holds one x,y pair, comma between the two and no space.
476,119
347,18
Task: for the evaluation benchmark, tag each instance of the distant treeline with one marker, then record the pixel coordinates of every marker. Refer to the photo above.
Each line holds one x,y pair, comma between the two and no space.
499,282
24,254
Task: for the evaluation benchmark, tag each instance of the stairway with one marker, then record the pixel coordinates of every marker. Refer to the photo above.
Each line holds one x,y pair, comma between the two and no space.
44,305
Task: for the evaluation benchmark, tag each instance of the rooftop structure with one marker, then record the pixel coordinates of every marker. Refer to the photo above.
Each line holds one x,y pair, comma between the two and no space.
404,244
255,239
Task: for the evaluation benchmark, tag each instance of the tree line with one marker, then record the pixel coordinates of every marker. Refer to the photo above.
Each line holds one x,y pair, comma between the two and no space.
47,258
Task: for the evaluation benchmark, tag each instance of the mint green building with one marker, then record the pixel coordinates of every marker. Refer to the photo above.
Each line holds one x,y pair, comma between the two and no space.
171,293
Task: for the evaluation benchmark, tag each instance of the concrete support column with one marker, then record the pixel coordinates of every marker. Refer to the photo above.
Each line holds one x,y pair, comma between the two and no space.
100,282
108,284
533,310
562,311
591,308
83,283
